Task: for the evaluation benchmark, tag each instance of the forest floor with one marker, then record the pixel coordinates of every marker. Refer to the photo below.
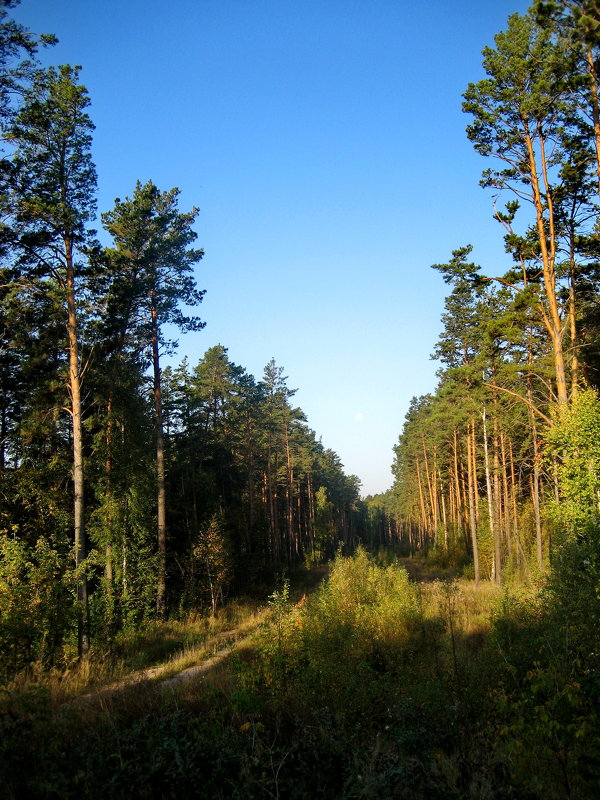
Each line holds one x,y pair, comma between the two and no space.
420,570
193,662
372,686
190,663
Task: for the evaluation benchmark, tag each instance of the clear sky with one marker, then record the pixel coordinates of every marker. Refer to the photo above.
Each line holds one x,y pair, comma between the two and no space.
323,141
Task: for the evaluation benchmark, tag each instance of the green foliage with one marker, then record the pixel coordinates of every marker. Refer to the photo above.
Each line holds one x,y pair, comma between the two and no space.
35,606
365,620
544,711
552,723
574,440
451,561
153,262
211,555
324,528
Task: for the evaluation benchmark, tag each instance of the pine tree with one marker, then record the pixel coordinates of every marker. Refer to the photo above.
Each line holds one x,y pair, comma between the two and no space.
521,112
52,197
152,251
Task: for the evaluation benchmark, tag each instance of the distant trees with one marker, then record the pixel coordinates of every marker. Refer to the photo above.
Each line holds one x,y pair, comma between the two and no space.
239,449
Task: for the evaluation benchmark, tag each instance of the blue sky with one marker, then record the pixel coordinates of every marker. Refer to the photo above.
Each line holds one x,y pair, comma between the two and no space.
323,141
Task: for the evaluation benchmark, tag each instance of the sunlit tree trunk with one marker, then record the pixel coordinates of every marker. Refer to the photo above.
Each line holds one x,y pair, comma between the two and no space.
490,503
78,477
421,501
591,66
471,479
161,583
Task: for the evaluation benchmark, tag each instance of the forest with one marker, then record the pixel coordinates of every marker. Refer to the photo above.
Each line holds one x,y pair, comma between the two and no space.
440,640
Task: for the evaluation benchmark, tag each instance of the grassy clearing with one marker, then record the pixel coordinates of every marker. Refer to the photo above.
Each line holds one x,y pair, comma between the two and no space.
373,687
160,650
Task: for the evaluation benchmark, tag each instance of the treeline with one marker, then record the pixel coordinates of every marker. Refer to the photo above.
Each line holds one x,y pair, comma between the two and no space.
128,490
501,458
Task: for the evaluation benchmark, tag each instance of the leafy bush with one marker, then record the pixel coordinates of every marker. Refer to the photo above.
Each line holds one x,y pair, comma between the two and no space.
574,443
546,695
346,646
35,607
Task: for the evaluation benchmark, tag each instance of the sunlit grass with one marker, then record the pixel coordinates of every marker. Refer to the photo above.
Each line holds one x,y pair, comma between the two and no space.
159,650
468,605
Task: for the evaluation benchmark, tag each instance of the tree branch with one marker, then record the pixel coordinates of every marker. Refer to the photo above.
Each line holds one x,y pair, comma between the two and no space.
546,419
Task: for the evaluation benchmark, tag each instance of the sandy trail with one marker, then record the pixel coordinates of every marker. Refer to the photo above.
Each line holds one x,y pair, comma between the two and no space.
235,638
173,676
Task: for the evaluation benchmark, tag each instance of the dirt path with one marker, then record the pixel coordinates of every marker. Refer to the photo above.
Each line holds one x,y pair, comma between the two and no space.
192,672
168,675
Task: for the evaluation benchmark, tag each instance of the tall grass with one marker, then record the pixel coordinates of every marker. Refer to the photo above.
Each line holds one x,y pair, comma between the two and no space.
372,687
159,650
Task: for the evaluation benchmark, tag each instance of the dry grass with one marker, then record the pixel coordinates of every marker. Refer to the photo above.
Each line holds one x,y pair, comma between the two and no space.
216,645
159,651
468,611
468,604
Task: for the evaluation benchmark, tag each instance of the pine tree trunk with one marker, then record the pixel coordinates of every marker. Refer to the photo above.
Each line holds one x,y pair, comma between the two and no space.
272,517
311,507
289,492
436,499
572,318
547,242
108,563
453,504
161,583
444,520
250,481
522,560
506,507
497,497
83,630
490,503
464,495
421,500
474,469
471,479
535,489
431,492
589,57
459,506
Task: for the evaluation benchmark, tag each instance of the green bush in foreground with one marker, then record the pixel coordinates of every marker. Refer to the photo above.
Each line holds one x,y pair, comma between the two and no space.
35,606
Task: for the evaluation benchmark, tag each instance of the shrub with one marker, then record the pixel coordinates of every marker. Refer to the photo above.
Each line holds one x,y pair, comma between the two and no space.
35,607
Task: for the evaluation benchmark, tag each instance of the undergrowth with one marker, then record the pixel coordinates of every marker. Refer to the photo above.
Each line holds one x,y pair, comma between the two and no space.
372,687
170,645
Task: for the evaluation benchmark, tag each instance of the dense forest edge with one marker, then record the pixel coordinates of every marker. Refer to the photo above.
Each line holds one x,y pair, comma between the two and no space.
440,640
